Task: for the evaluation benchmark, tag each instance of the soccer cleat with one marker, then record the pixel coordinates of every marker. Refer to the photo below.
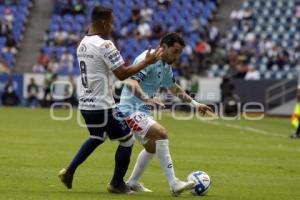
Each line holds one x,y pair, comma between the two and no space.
66,178
120,189
138,187
181,186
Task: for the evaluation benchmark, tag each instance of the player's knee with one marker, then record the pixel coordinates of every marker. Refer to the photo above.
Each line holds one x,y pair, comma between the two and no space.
150,146
127,142
162,134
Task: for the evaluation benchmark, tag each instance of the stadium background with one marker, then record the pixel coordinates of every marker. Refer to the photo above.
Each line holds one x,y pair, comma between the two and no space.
237,50
249,43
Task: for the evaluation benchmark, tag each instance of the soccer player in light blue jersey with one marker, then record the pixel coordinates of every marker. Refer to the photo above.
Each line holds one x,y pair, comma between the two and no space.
138,93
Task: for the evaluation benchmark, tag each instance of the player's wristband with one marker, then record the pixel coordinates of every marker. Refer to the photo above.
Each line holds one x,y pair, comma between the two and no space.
194,103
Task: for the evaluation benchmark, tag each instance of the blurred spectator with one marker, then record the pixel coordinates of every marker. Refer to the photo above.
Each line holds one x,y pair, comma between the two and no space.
124,32
231,104
32,90
135,17
180,30
198,24
73,39
63,7
67,60
236,45
53,63
187,50
50,78
60,37
236,16
10,45
297,10
157,31
265,45
226,88
242,67
218,55
296,54
43,59
252,74
9,18
203,48
143,29
4,28
232,57
4,66
38,68
163,4
78,7
10,97
70,92
146,12
213,34
248,18
49,41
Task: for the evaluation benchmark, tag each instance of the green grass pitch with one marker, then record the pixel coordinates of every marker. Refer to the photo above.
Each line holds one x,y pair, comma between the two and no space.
246,160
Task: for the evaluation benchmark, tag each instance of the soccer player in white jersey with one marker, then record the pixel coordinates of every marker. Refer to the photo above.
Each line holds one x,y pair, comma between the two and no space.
97,56
136,96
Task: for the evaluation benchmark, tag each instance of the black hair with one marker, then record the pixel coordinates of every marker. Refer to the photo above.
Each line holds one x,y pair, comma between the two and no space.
101,13
171,38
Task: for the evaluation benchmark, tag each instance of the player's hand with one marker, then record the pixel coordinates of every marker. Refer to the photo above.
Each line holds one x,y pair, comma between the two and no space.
152,58
203,109
156,102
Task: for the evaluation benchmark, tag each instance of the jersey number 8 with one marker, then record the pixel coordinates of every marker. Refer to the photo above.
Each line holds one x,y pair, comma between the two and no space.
83,74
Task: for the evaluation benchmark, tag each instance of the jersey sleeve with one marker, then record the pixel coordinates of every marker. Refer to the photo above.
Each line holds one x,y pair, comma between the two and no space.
140,76
111,55
169,80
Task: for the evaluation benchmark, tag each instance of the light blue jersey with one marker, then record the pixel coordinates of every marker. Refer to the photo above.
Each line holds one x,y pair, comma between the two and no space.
150,79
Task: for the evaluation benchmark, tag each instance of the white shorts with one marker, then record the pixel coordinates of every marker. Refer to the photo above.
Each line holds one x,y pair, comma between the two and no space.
140,123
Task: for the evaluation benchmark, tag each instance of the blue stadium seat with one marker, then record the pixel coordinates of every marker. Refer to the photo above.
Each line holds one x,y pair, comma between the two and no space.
80,19
167,18
9,57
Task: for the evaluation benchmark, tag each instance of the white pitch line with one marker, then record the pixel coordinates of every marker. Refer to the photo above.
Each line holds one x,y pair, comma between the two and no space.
245,128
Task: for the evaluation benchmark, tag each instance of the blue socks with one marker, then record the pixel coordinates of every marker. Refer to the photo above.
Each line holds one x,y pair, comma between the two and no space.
122,160
86,149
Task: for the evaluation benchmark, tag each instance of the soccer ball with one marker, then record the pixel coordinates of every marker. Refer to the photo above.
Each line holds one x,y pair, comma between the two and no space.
202,182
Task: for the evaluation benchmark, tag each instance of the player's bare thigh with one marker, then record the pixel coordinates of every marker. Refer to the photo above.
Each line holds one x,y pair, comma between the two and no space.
156,132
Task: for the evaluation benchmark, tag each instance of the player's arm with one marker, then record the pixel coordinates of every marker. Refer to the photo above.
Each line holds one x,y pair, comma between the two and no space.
123,72
184,97
135,88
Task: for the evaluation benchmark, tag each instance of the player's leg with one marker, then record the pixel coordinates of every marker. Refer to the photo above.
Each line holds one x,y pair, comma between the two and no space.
118,130
298,131
66,174
142,161
296,135
122,160
158,134
140,124
92,119
148,140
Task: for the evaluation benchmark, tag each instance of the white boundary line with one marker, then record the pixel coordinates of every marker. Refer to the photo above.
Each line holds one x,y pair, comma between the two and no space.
245,128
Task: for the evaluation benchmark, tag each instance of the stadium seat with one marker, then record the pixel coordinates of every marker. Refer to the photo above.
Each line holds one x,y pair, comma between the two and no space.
273,20
20,11
167,18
